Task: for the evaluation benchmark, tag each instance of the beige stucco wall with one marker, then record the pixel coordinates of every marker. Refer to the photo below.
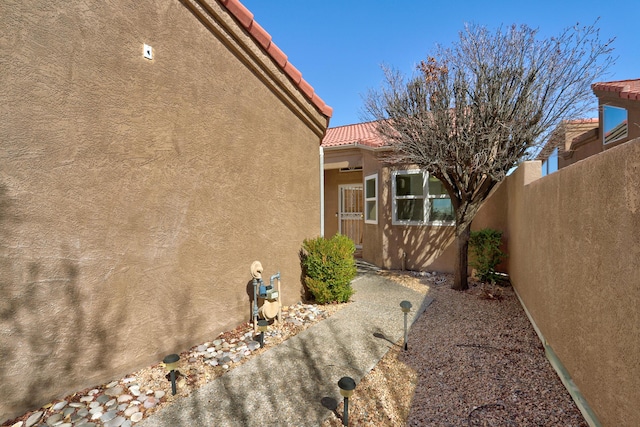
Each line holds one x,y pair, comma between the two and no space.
418,248
494,214
396,246
575,261
135,194
410,247
573,239
589,146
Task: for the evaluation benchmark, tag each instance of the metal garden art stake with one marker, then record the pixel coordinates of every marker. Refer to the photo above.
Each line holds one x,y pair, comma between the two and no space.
347,385
170,364
262,328
406,307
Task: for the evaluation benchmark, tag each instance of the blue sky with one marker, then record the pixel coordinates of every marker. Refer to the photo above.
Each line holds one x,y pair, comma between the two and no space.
339,45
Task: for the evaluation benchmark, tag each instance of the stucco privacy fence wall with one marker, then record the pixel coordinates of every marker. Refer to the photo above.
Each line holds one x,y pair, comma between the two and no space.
573,240
135,193
574,259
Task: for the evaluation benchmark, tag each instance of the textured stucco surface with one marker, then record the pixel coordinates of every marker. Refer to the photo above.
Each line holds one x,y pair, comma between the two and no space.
573,239
575,261
589,147
135,194
396,246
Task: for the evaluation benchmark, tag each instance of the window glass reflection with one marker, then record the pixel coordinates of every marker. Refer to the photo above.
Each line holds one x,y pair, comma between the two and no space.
615,123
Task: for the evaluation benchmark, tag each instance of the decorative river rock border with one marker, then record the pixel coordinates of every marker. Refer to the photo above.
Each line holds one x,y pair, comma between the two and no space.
124,402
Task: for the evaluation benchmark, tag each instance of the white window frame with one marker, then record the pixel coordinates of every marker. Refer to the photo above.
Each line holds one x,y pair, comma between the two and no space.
426,198
373,199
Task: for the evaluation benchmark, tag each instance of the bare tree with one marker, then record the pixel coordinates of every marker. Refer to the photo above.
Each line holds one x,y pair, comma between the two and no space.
475,110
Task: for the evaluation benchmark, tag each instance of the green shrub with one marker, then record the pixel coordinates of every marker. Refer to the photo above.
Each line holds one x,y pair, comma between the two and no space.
484,246
329,268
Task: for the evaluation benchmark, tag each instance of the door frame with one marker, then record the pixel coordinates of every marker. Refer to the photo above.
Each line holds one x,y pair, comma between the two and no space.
341,187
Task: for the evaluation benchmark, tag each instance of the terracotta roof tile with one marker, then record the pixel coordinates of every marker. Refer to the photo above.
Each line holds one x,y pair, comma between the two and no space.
322,106
277,55
263,38
626,89
357,134
260,35
306,88
241,13
293,72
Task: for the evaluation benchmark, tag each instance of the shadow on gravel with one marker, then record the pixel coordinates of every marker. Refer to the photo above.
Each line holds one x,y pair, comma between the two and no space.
383,337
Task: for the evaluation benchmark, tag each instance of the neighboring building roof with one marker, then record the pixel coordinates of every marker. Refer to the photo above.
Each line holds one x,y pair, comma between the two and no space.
584,138
566,134
358,134
626,89
263,38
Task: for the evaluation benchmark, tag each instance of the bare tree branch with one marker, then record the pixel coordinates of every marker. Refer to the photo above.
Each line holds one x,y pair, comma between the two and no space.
475,110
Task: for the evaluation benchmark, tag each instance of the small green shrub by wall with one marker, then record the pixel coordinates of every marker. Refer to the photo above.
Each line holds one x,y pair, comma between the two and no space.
484,246
329,268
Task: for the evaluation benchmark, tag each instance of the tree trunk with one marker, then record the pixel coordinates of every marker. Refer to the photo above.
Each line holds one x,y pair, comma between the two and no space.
460,282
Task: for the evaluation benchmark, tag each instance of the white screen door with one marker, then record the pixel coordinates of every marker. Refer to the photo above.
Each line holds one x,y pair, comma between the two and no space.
350,215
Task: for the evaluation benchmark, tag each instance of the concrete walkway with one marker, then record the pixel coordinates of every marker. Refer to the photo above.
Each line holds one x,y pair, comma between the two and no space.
295,383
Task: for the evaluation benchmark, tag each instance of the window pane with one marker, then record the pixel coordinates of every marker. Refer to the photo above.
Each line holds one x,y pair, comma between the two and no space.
411,210
441,210
409,184
552,165
370,190
371,213
436,188
615,123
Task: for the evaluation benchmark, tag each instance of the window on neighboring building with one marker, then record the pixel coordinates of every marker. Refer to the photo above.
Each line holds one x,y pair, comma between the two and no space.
420,199
551,164
371,199
615,123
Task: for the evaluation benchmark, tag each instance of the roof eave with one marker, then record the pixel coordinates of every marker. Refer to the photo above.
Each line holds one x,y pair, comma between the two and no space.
357,145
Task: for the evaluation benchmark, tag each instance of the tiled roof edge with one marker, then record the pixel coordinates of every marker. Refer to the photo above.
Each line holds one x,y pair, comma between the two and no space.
358,135
263,38
627,89
583,121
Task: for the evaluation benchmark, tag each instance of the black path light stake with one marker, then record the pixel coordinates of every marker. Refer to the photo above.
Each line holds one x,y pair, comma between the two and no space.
406,307
170,364
262,327
347,385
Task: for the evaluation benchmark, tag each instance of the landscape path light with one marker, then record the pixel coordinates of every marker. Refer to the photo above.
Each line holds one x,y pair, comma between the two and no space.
347,385
262,328
170,364
406,307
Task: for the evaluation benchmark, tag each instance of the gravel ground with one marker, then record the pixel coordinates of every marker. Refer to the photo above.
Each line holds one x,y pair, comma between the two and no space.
194,369
473,360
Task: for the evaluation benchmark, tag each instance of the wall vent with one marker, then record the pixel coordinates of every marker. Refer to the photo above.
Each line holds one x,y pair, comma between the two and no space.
352,169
